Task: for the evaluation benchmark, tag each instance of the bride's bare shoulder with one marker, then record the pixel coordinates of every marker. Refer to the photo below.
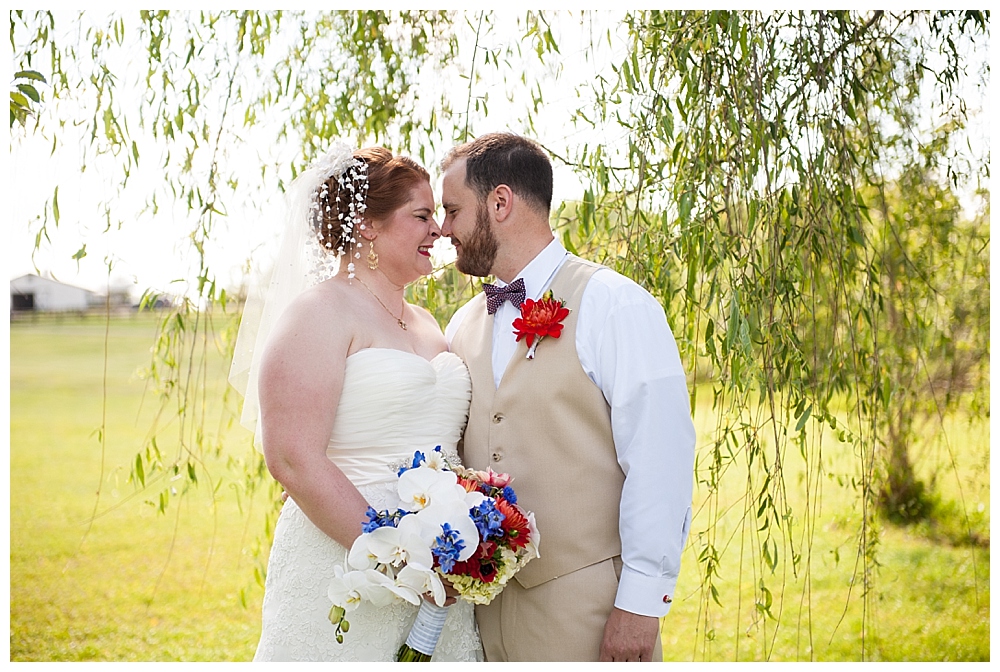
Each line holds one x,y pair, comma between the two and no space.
324,312
330,295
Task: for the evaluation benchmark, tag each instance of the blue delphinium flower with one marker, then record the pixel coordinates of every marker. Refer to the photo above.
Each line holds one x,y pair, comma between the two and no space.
418,457
374,521
447,547
377,519
487,519
508,494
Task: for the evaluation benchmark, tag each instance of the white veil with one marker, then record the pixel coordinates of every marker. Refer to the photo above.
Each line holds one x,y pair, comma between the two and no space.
301,263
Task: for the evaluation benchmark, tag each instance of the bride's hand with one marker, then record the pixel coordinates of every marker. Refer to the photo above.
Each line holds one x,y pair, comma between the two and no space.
451,595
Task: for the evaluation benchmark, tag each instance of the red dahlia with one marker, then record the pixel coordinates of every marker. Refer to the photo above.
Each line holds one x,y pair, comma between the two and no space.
540,318
514,524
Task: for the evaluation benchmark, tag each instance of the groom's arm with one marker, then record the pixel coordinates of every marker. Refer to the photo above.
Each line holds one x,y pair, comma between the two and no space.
627,348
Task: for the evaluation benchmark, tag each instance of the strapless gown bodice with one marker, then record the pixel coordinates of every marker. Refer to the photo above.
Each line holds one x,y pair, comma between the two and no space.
392,404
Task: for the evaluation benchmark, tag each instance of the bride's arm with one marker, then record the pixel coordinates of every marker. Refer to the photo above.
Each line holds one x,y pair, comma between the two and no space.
301,377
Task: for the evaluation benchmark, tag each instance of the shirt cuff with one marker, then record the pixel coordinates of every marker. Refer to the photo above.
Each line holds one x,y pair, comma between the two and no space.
644,595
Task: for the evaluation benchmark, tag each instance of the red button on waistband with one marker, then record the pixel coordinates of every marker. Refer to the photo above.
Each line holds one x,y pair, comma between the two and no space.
667,599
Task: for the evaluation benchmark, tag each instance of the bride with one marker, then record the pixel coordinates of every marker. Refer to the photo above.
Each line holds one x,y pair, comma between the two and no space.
351,382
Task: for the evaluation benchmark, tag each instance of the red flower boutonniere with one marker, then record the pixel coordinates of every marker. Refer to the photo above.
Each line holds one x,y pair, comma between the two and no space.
540,319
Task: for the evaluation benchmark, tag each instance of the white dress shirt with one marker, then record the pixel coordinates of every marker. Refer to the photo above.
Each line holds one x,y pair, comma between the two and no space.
626,347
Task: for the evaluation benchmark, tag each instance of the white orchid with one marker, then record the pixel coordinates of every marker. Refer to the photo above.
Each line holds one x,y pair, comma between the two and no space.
379,589
420,487
398,545
474,499
347,588
361,556
456,514
420,580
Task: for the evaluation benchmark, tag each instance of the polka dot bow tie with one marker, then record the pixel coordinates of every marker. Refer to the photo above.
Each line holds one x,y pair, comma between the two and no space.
495,296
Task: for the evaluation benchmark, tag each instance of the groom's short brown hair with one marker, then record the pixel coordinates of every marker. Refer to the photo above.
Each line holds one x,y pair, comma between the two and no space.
504,158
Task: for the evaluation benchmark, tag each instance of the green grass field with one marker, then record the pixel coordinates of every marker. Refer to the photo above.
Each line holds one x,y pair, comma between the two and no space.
136,585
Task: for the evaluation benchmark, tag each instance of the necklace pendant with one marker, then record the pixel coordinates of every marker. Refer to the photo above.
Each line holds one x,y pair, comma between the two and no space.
402,324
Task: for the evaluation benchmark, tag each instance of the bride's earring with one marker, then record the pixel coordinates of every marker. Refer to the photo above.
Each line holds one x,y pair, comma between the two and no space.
372,257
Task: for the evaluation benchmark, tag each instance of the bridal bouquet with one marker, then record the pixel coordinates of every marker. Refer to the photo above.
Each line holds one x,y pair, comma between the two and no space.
452,524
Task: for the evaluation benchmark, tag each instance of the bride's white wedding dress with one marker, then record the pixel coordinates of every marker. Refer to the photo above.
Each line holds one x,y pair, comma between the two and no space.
393,403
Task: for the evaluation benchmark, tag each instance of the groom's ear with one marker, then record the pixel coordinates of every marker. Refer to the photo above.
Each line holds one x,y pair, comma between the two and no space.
500,202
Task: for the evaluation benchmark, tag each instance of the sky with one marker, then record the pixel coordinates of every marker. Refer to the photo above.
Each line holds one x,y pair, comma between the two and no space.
153,251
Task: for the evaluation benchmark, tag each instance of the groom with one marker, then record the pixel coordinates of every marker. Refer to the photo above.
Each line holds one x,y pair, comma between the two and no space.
595,429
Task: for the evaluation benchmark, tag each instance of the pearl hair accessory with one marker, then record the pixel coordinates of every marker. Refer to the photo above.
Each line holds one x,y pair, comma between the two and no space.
352,190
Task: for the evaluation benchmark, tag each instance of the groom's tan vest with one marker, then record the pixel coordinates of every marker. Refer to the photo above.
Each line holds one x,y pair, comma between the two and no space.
549,427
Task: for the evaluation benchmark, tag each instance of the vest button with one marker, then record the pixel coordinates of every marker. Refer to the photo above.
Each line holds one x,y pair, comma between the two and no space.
497,417
496,457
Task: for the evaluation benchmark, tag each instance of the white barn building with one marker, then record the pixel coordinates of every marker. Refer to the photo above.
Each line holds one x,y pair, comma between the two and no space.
33,292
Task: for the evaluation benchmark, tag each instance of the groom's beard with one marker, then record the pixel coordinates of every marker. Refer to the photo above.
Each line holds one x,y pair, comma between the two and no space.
478,253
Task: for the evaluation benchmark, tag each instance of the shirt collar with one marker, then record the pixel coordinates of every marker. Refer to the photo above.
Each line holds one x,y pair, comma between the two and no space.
537,275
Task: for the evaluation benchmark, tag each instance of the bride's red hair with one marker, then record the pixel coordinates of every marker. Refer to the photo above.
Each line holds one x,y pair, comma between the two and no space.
391,179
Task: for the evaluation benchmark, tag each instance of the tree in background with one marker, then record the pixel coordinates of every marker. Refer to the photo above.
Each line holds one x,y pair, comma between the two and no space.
188,97
934,269
774,183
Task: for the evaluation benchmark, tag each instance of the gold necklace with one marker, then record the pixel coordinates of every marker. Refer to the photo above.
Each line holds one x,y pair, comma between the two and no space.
399,320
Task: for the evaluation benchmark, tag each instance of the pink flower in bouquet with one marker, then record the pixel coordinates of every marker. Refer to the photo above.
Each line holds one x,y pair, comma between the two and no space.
497,480
491,478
